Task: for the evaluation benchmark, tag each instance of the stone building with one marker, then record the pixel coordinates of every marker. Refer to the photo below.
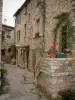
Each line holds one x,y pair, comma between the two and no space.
8,40
0,25
34,23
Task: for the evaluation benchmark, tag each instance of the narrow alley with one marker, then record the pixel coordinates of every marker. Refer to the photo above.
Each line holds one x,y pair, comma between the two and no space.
21,88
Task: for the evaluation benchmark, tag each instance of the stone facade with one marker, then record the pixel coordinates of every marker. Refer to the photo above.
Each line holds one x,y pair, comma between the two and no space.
0,25
72,17
36,16
8,40
53,9
27,29
55,74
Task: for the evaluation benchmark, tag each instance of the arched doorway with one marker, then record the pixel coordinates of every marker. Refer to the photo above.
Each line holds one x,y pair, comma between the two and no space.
62,32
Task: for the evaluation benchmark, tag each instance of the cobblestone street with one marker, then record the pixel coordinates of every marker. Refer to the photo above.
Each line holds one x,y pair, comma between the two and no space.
20,89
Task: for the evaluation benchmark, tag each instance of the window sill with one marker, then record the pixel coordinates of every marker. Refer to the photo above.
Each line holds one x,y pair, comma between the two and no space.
36,37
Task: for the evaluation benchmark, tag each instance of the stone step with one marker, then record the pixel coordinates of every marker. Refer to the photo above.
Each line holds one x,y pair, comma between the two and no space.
5,97
23,98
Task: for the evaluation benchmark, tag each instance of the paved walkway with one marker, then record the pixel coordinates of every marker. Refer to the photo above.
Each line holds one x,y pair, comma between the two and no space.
21,88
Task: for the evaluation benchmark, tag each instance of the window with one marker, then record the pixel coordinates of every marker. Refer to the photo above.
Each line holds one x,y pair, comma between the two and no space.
29,16
8,36
18,35
3,51
38,25
25,29
3,36
21,52
25,10
9,50
18,19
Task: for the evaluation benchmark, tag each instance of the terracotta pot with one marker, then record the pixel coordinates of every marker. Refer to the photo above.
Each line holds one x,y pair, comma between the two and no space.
69,56
45,54
52,54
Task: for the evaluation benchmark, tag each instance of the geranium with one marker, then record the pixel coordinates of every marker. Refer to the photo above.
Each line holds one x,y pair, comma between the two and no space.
53,47
67,94
37,34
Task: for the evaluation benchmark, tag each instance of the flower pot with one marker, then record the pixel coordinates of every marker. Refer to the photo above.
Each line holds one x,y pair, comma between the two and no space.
69,56
52,54
45,54
61,56
36,35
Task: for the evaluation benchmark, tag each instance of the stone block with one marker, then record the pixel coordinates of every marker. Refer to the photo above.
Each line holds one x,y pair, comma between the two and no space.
54,67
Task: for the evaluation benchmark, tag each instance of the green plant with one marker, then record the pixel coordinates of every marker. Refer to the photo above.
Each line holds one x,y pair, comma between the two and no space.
37,34
67,94
3,72
70,63
63,23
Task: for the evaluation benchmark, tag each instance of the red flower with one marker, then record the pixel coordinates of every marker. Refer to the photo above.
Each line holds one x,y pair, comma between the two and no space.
37,32
53,47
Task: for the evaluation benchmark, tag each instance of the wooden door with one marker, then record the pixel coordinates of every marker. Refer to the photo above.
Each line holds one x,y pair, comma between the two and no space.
16,56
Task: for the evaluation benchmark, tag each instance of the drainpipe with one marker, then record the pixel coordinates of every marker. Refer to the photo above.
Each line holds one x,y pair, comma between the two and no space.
43,16
72,16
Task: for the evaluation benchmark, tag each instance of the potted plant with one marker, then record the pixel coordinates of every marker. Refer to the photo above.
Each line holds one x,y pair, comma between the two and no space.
37,34
67,94
52,51
61,55
68,52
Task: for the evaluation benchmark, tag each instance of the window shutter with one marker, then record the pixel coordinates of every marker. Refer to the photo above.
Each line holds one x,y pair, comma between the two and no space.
25,10
34,28
18,35
41,27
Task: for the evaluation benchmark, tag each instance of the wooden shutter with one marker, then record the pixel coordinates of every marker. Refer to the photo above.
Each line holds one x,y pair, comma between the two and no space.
41,27
34,28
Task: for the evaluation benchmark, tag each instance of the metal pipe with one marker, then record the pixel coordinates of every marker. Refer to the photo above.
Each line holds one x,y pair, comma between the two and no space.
43,15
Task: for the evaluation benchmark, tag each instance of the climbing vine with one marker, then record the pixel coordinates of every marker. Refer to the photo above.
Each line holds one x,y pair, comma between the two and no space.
63,22
43,10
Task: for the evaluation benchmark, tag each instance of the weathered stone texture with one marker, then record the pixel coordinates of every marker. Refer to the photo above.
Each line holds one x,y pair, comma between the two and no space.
34,12
53,9
0,26
55,74
30,40
7,42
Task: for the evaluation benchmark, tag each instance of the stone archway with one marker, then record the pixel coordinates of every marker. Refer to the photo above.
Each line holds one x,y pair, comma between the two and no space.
62,32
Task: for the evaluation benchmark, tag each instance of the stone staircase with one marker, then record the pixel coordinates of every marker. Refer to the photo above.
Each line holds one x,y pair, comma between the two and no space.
18,96
8,97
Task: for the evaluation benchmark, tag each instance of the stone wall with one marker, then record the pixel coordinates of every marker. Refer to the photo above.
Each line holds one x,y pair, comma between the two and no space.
29,19
55,74
53,9
9,40
34,13
0,26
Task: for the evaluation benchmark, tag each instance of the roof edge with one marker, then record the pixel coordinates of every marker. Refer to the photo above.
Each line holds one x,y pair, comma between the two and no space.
7,26
20,9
